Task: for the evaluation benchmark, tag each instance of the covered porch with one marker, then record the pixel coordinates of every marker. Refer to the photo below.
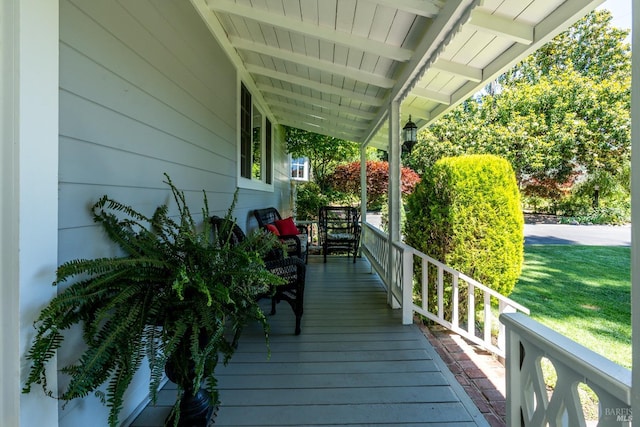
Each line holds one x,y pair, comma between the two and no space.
355,363
360,361
101,97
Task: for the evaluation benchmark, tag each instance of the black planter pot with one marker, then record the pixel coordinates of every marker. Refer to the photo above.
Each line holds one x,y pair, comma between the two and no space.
196,408
195,411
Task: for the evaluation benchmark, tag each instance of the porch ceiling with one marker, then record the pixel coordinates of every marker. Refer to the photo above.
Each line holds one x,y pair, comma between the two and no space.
334,66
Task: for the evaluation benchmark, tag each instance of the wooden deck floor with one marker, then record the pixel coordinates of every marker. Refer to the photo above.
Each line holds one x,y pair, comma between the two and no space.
354,364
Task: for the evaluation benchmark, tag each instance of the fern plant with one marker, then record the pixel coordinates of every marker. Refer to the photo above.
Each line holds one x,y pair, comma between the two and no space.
179,293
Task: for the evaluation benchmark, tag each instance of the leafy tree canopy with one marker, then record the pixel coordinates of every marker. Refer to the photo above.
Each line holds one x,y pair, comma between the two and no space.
564,110
592,47
324,152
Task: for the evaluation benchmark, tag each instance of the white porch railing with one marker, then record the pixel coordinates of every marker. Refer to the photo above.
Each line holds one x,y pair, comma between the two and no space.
529,403
459,288
521,340
375,246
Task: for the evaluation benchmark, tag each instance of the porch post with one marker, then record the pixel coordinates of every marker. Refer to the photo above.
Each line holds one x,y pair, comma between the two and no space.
363,183
394,172
394,193
28,198
635,211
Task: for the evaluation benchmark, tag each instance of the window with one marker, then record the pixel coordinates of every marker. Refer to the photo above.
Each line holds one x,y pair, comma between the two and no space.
245,132
267,157
256,149
300,169
256,161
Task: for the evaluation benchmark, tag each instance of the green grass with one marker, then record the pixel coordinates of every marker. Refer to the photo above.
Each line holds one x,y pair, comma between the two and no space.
583,292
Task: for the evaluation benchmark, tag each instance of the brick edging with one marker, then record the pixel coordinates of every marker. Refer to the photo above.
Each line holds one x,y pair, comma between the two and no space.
479,372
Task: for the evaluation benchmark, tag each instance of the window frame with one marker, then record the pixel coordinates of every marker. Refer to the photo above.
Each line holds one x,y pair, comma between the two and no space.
245,142
305,168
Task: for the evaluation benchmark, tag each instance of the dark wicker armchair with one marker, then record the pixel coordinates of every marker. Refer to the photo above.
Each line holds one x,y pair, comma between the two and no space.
339,230
297,244
292,269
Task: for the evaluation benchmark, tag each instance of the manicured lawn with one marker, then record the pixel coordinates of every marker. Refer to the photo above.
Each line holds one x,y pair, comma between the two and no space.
583,292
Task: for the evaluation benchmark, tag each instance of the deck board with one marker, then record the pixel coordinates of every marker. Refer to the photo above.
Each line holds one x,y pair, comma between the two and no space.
354,364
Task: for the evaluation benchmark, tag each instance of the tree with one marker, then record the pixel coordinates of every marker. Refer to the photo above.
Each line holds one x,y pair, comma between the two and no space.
324,152
592,47
564,111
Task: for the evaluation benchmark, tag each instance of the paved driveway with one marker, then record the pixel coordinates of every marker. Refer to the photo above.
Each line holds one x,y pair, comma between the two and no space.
566,234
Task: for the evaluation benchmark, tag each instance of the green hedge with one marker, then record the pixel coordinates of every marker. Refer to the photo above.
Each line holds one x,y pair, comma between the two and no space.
466,213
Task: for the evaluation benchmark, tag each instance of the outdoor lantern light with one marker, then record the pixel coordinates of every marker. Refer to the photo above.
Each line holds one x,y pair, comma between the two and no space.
409,136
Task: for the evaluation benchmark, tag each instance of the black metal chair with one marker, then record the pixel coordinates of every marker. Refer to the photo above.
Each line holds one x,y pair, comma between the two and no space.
291,269
339,230
297,244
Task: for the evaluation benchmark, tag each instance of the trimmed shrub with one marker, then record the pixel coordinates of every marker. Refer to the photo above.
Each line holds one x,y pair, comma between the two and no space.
466,213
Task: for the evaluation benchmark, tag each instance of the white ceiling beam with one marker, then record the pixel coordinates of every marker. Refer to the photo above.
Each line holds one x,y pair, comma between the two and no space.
311,127
502,27
309,100
321,126
319,64
344,39
323,115
427,8
334,111
457,69
296,109
417,115
338,124
321,87
432,95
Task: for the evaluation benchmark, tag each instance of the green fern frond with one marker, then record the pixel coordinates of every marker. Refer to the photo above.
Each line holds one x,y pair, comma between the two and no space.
120,381
157,360
44,348
99,266
107,203
99,360
181,294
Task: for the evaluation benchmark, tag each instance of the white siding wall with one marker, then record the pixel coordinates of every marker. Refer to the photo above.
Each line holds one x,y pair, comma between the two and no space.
144,89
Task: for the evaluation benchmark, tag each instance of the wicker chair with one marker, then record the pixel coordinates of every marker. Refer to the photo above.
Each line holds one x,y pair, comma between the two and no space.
297,244
339,230
292,269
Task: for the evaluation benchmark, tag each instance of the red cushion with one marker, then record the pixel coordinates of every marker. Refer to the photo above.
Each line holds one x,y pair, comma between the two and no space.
272,228
286,227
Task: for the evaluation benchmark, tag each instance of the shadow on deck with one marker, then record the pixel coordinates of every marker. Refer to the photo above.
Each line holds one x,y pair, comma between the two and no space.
354,364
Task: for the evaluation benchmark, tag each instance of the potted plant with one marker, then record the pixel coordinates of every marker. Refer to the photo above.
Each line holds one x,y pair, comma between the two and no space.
180,295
